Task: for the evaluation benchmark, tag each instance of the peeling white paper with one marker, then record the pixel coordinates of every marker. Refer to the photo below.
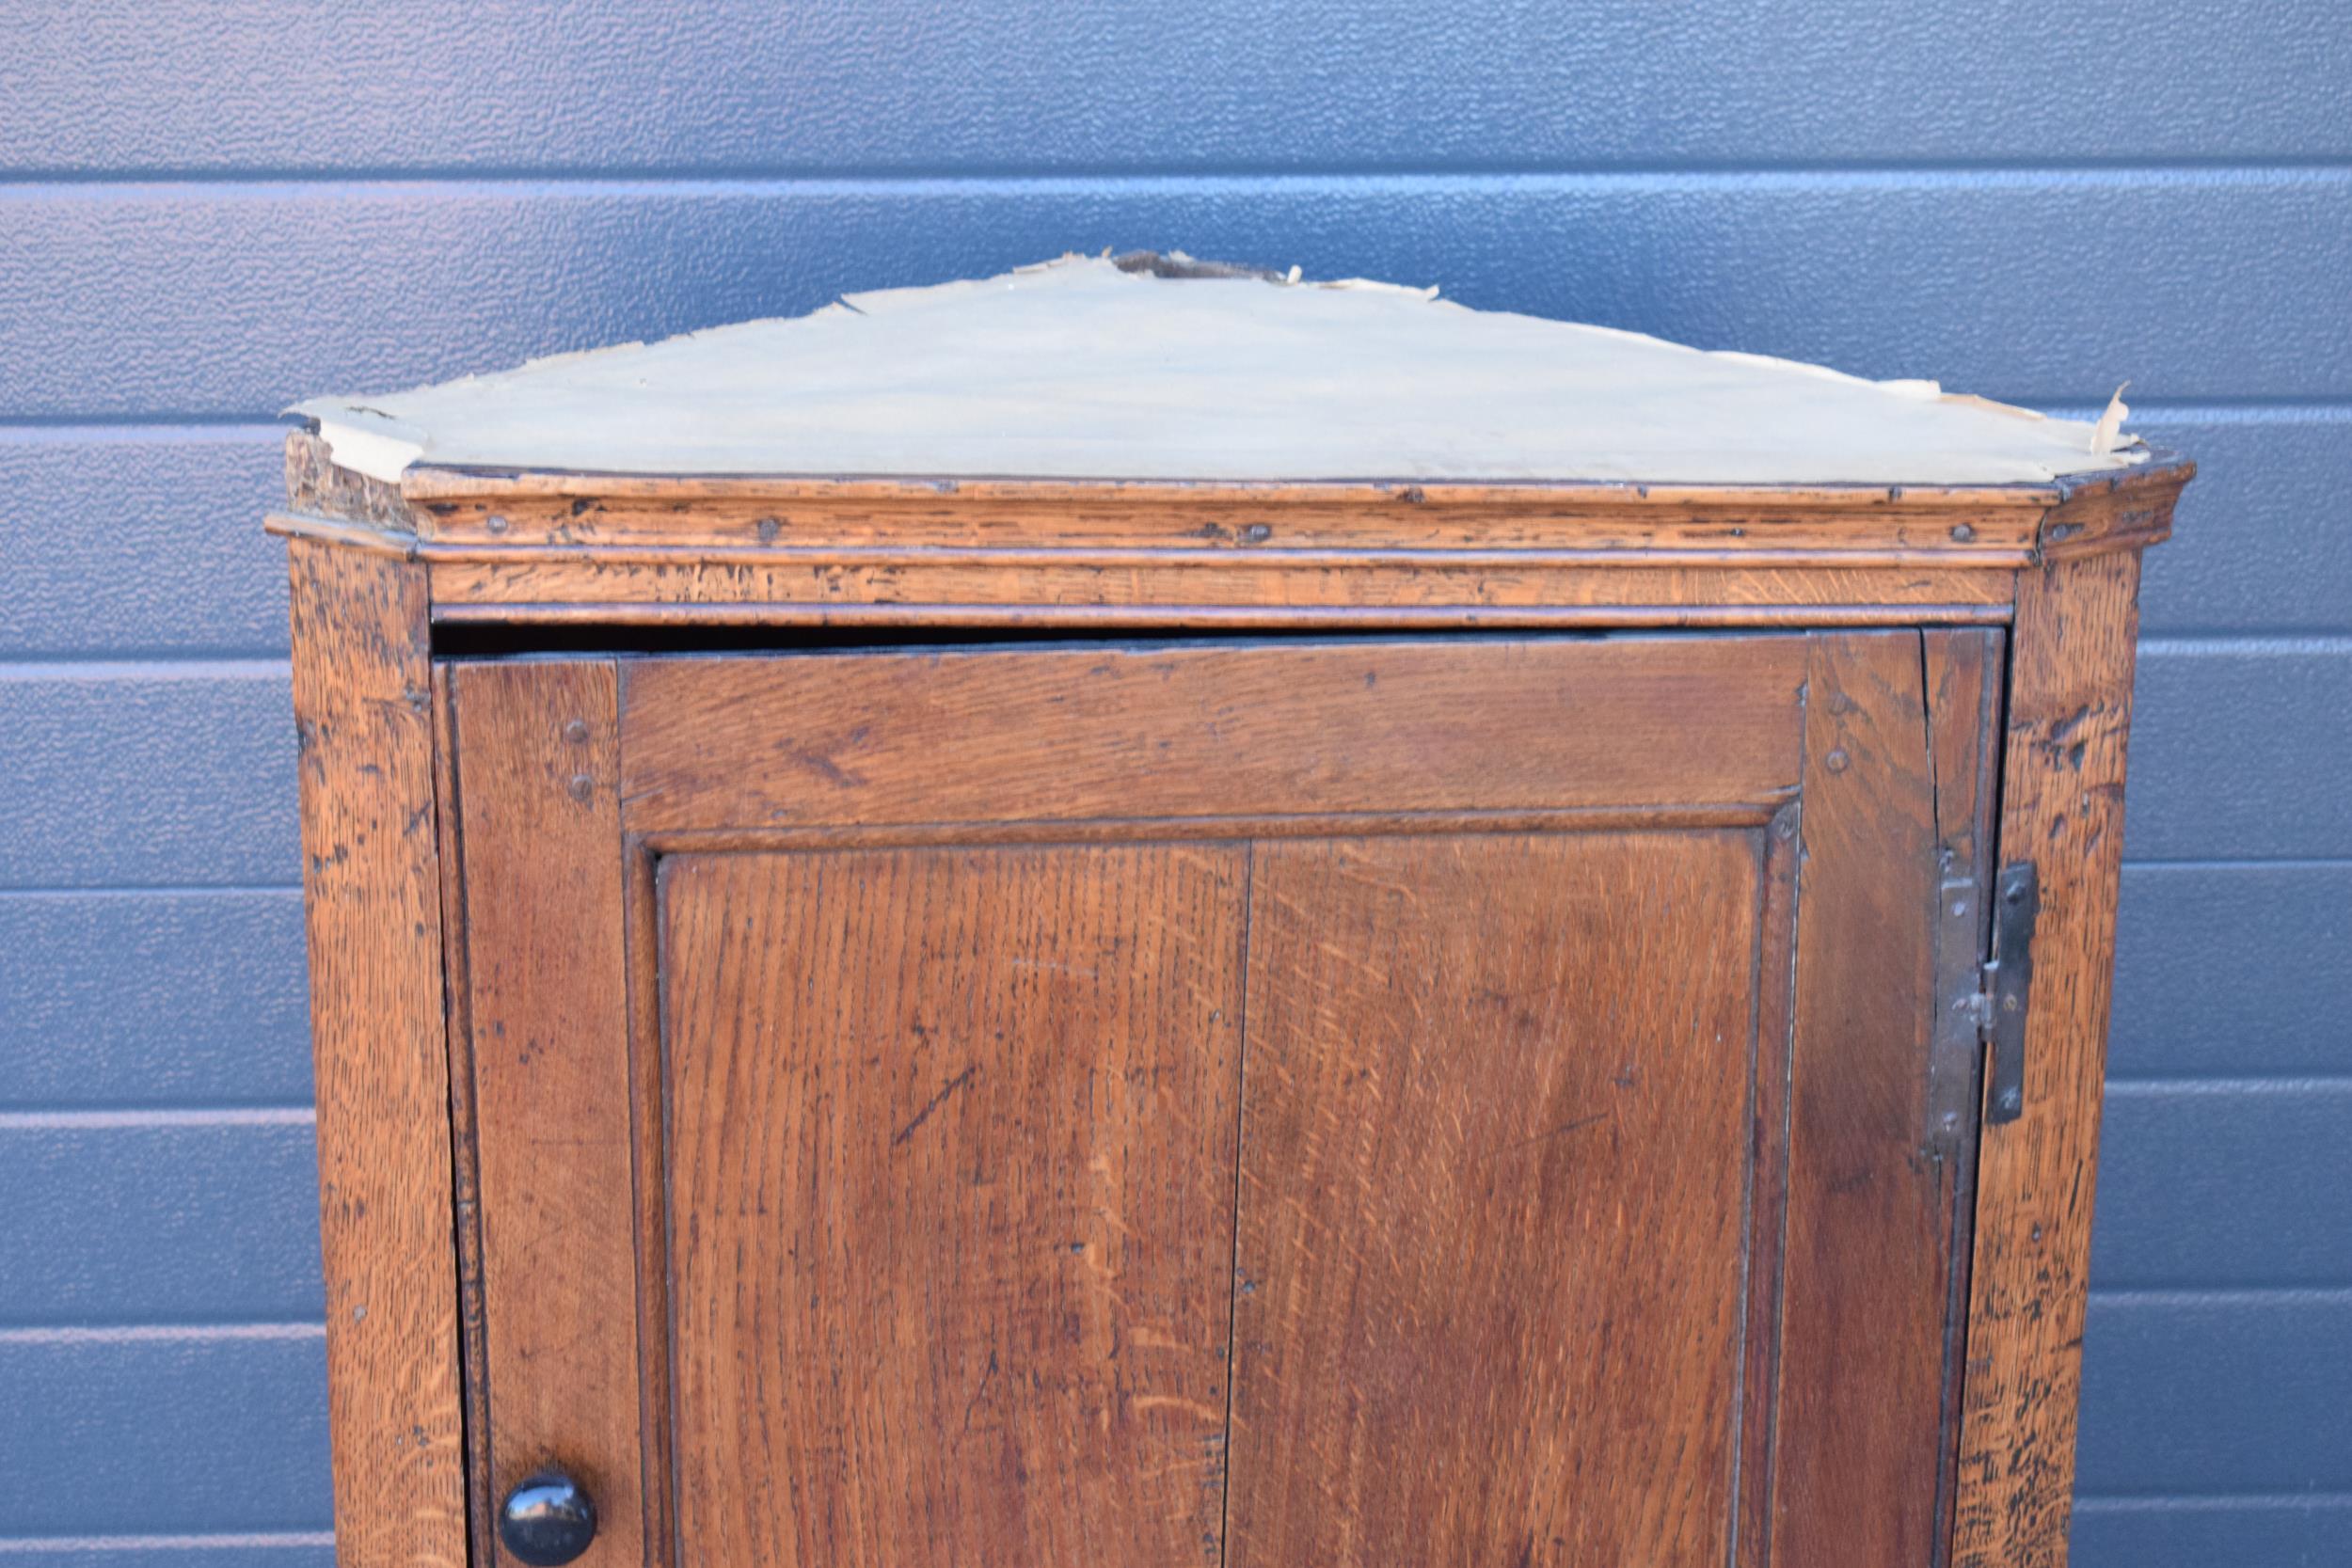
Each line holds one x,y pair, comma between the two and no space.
1076,370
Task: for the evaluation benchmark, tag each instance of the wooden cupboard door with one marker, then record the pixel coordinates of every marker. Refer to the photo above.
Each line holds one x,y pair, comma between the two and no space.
1447,1101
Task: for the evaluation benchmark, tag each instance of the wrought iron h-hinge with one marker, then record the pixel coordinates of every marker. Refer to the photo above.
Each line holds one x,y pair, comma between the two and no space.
2006,987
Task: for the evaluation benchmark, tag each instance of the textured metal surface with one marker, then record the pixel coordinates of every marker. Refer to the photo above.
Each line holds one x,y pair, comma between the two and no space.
2191,283
1075,85
212,211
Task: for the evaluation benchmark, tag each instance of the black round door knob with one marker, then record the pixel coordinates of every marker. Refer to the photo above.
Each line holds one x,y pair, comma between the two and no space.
549,1519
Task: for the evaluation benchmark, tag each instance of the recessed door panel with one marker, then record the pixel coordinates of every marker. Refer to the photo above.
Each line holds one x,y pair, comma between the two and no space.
1495,1182
950,1160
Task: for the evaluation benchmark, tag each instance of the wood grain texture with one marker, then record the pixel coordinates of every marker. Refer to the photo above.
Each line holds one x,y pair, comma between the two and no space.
1964,670
557,547
464,1164
1495,1154
2063,808
611,618
372,892
2127,511
1774,1057
1173,731
1869,1212
648,1097
951,1145
753,586
549,1025
1993,523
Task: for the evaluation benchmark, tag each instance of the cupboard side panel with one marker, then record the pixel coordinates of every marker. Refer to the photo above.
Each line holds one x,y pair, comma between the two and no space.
2069,708
371,882
1862,1331
540,832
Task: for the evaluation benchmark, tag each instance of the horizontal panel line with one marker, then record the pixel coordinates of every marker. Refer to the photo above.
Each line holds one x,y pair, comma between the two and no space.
2269,647
131,653
147,1334
144,668
855,178
2224,1295
31,429
2118,1502
2304,1084
257,1541
2187,631
2283,863
2182,410
156,890
125,1119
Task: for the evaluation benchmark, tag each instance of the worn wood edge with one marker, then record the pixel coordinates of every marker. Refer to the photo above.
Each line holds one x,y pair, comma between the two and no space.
1767,526
1261,557
1189,617
721,520
649,1109
1772,1051
2126,511
466,1190
2075,515
372,899
667,519
1965,677
364,537
2069,715
316,483
1382,585
433,483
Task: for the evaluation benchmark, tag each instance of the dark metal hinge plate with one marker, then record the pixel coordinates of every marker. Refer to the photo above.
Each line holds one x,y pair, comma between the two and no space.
2009,987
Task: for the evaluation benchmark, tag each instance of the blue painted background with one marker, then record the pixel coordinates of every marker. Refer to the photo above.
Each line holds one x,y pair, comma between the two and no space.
207,210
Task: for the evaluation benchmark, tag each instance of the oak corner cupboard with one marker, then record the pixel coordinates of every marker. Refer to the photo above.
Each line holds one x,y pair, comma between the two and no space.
1143,913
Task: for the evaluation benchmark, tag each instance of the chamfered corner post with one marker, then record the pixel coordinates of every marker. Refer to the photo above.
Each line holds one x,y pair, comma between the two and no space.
372,895
2062,809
